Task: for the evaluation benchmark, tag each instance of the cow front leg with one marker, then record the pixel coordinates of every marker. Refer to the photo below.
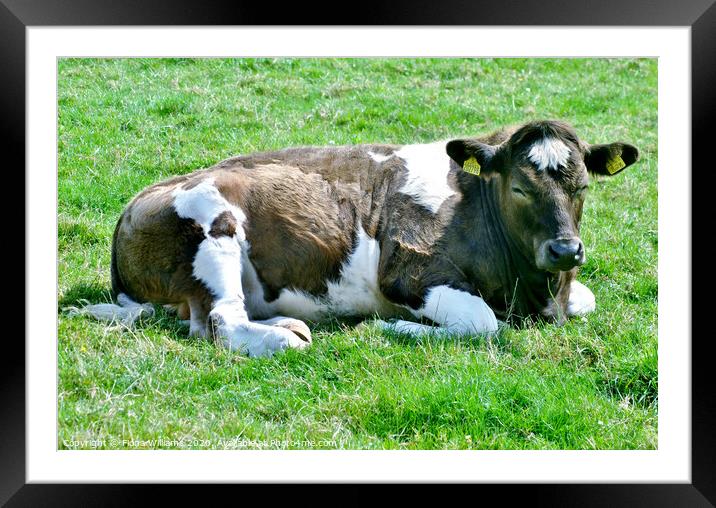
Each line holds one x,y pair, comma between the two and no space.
218,265
581,300
456,312
230,326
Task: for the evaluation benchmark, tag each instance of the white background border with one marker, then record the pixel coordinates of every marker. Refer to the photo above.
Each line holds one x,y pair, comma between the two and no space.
671,462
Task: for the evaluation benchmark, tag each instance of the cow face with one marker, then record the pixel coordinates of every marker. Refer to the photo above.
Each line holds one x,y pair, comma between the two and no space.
540,176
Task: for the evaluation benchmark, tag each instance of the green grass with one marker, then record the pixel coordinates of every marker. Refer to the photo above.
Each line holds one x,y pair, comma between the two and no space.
126,123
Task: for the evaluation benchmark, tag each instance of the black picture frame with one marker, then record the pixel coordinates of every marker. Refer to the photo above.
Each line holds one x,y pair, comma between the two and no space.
699,15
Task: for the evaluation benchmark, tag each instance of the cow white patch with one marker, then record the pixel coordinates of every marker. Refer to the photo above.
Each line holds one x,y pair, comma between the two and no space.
217,262
378,157
458,311
549,153
357,290
355,293
218,265
301,305
581,300
428,166
203,203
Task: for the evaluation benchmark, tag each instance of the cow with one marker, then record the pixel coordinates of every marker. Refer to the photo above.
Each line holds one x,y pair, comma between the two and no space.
454,237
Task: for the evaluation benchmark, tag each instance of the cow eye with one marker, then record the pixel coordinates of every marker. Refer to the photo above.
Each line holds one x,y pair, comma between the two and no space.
519,191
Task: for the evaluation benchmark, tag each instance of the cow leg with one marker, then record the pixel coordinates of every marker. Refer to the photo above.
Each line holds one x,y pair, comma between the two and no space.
457,312
198,310
418,329
581,300
230,325
194,314
181,310
218,265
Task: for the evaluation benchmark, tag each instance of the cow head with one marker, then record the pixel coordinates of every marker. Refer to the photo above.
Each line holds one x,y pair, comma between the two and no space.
541,177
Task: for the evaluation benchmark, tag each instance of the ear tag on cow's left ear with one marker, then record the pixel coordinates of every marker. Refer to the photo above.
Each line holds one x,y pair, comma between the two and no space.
471,166
615,164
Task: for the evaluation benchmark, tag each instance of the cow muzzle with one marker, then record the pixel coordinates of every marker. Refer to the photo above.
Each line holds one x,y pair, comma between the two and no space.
560,255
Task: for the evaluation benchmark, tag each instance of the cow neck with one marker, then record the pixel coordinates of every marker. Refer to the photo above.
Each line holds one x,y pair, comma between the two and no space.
523,289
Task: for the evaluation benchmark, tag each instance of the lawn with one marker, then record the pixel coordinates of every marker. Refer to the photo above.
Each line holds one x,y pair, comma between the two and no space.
126,123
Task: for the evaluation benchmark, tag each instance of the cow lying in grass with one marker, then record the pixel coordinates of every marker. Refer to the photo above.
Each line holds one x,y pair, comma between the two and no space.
459,233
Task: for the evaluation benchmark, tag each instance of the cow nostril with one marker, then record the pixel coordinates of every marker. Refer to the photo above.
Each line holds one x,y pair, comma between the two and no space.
553,254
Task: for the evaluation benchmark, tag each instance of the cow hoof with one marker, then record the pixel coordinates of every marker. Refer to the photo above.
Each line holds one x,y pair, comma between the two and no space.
298,327
295,325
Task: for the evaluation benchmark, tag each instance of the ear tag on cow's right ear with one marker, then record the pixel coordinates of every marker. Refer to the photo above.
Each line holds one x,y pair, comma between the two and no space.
615,164
471,166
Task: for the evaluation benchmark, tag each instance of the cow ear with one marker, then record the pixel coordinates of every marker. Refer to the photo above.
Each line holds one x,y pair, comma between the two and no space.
472,156
610,159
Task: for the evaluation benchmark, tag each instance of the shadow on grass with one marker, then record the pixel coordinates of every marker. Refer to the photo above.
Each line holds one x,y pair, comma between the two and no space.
498,341
82,294
334,325
93,293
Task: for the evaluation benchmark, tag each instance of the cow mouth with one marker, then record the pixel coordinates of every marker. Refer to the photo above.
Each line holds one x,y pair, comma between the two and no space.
562,267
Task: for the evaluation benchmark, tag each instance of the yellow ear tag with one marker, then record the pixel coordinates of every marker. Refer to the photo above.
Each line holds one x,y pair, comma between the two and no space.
615,164
471,166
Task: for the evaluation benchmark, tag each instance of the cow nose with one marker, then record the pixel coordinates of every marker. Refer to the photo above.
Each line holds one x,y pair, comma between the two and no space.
565,253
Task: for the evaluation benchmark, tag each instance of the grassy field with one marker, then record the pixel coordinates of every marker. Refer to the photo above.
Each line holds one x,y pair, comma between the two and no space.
126,123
